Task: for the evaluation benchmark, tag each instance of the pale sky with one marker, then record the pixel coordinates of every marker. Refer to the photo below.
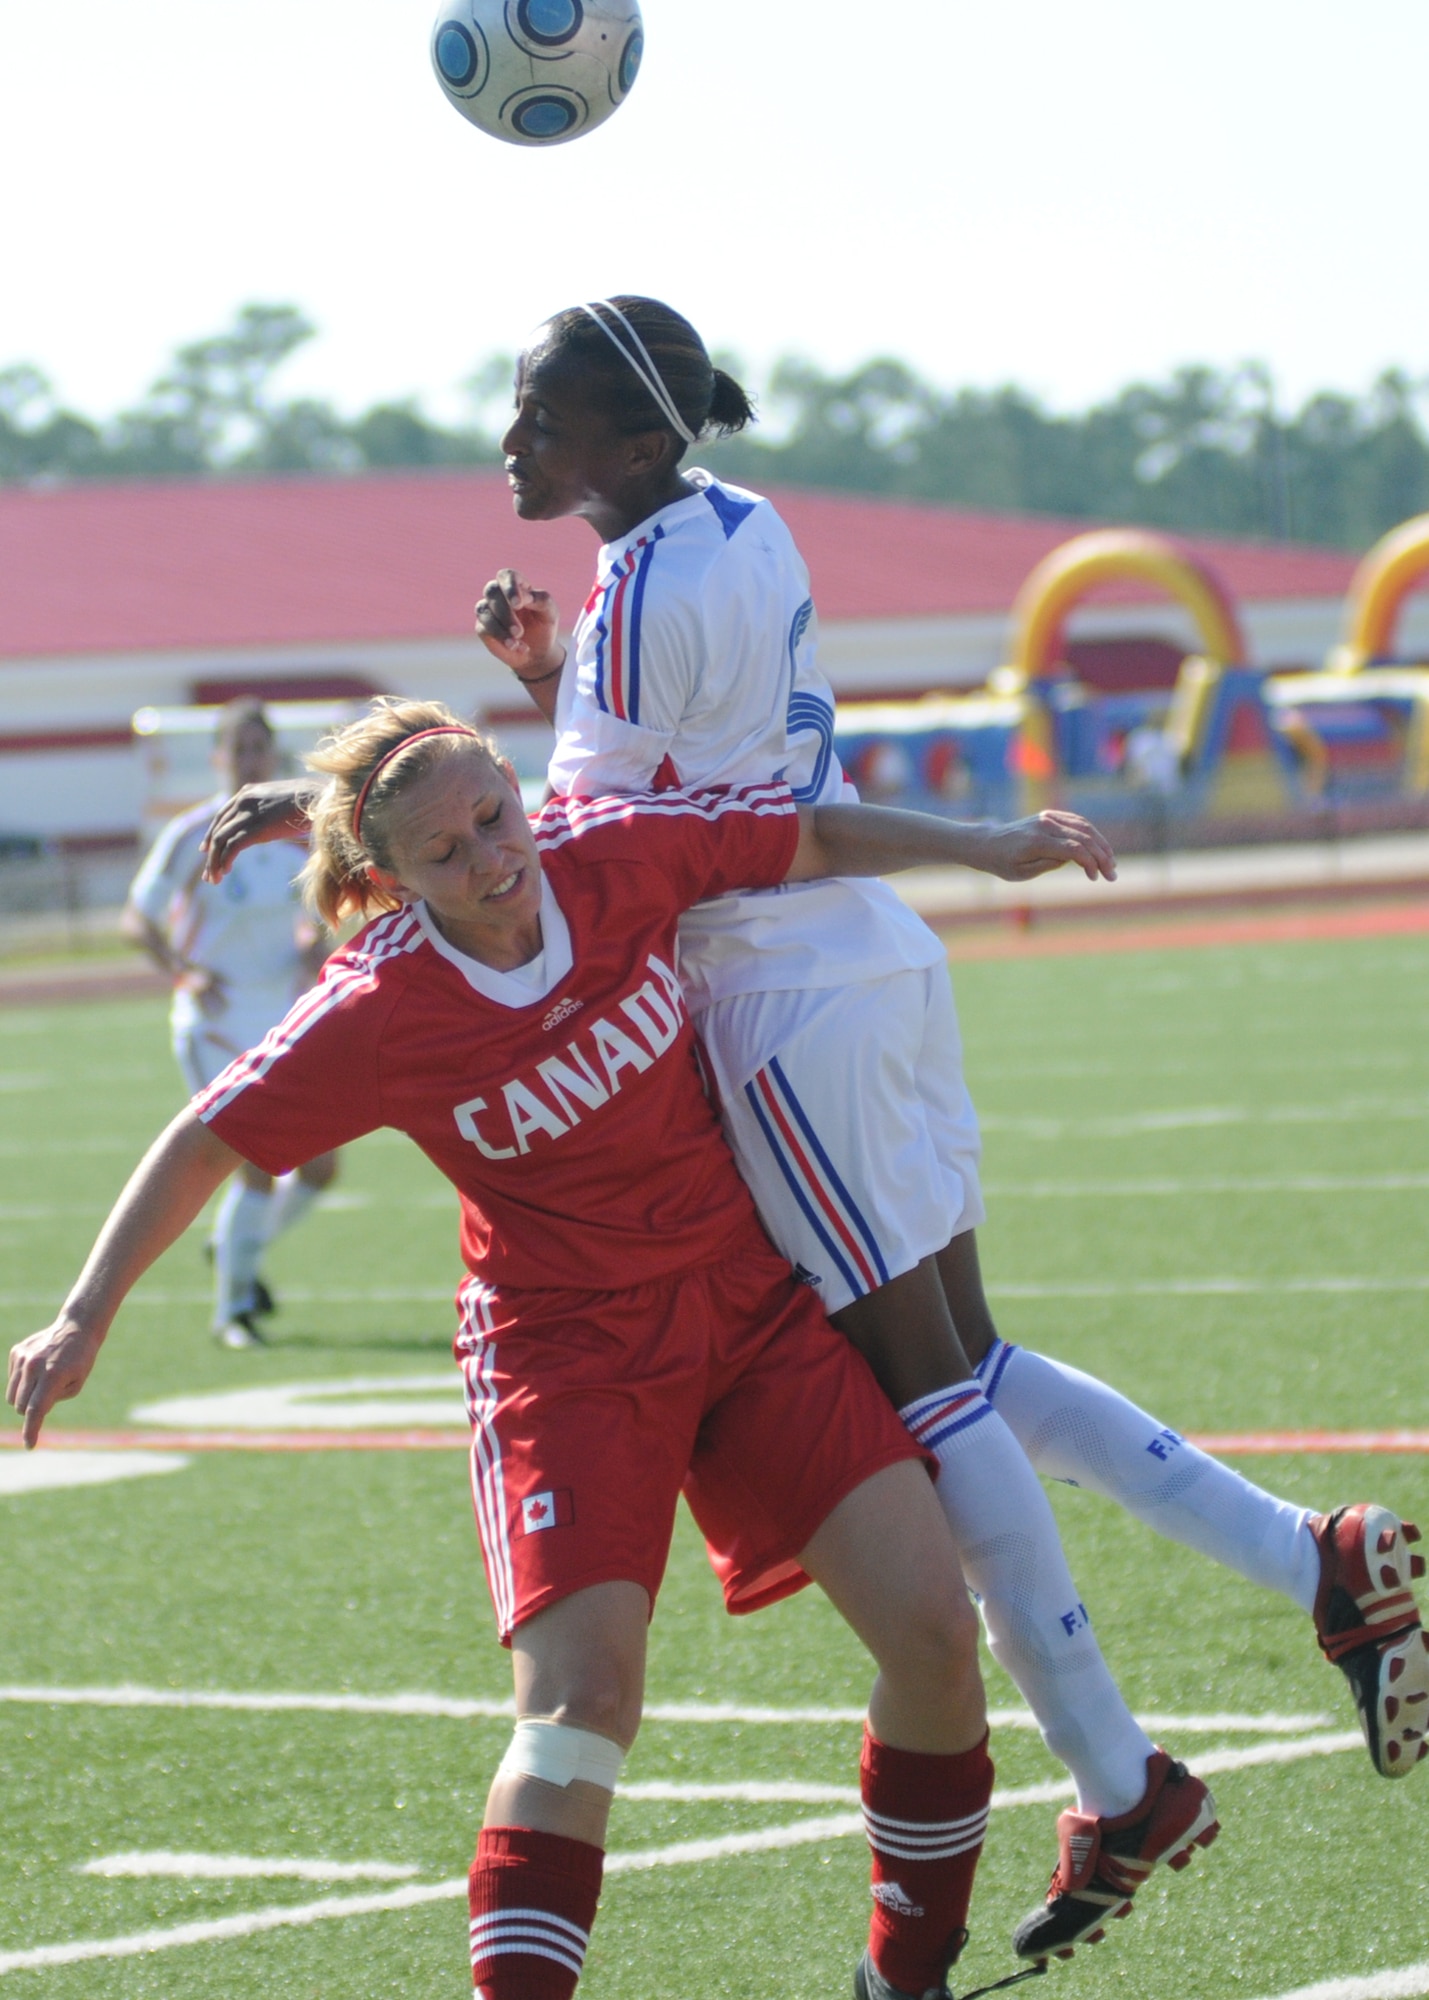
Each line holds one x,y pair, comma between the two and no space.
1065,196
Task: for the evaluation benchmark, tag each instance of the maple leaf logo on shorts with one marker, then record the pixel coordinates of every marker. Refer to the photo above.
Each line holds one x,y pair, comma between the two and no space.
552,1509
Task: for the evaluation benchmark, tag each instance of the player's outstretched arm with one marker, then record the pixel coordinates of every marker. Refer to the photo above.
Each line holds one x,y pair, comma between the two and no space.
165,1192
275,810
878,840
521,627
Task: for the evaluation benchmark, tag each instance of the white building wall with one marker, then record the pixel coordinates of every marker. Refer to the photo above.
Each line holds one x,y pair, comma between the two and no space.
60,792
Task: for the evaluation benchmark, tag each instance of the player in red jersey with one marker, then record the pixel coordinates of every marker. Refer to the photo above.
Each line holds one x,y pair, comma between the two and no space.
626,1329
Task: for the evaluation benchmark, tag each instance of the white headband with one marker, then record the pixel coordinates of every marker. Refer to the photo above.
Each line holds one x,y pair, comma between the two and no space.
641,362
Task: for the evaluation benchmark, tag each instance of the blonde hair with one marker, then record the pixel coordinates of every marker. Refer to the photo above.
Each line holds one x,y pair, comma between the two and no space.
337,880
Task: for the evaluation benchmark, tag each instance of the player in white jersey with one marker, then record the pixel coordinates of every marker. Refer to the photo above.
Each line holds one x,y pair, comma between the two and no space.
829,1024
238,953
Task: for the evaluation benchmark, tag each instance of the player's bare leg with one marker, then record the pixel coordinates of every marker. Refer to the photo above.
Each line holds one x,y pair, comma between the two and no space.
961,1275
1351,1570
534,1885
886,1560
582,1664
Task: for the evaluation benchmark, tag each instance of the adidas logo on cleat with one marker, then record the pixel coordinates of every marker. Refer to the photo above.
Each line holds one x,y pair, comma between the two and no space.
1104,1860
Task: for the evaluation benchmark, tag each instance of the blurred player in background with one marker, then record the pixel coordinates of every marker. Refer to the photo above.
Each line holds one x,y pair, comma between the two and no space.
238,954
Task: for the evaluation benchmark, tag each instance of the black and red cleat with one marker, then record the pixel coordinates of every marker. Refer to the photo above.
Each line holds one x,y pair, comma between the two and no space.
870,1984
1368,1624
1104,1861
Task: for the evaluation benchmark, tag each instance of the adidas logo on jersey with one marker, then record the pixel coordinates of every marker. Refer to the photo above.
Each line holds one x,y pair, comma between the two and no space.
893,1896
548,1100
562,1011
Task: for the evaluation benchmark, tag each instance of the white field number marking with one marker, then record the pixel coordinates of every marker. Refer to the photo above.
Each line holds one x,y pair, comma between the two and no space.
23,1472
363,1403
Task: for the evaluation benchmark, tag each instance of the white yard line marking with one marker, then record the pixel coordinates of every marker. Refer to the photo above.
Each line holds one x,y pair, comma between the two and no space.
452,1709
776,1793
1234,1185
1051,1288
1329,1745
243,1867
1205,1288
296,1295
22,1473
219,1929
341,1202
1205,1117
1404,1982
763,1840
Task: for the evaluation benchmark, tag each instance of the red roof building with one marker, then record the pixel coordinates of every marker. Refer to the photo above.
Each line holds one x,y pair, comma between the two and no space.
114,597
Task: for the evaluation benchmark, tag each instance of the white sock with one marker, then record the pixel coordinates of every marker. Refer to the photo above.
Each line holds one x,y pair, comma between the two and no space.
1037,1626
1076,1429
292,1197
240,1230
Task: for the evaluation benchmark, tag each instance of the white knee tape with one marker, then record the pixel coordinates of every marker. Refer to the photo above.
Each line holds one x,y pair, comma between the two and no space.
559,1754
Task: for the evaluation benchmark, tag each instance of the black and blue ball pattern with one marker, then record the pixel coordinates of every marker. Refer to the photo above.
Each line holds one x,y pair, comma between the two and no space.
537,72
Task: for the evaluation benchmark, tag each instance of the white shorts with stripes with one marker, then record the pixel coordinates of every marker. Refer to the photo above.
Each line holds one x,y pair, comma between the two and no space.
848,1114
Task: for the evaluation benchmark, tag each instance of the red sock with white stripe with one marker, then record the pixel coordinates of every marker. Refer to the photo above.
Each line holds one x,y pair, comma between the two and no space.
532,1898
925,1817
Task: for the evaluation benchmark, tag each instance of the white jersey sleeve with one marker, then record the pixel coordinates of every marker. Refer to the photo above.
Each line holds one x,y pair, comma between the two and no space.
172,866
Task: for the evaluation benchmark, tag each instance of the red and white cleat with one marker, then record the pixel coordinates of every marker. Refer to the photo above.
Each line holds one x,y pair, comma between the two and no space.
1368,1624
1104,1861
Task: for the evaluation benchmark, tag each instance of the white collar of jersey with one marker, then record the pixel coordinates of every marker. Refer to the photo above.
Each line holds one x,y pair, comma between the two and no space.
503,987
666,517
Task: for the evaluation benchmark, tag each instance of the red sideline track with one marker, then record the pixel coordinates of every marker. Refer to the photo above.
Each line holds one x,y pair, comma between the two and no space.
1231,1444
1383,922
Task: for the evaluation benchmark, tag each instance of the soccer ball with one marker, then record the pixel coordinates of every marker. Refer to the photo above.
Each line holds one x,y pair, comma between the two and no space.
537,72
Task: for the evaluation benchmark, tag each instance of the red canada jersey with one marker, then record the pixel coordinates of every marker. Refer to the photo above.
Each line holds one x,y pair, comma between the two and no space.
570,1116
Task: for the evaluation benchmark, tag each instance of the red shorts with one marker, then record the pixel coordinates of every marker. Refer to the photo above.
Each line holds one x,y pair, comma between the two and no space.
591,1411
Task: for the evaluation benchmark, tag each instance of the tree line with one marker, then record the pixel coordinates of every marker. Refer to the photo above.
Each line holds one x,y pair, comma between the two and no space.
1207,451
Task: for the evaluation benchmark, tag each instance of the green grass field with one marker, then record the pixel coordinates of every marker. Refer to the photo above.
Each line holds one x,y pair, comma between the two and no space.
1207,1182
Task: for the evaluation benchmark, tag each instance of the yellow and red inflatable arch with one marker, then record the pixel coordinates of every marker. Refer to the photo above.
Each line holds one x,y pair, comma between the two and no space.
1117,555
1378,588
